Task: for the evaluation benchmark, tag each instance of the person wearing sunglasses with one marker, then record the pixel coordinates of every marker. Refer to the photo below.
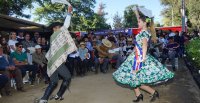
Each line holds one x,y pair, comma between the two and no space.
20,60
8,68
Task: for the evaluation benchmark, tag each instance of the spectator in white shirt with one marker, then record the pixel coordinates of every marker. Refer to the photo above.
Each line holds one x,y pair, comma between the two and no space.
12,41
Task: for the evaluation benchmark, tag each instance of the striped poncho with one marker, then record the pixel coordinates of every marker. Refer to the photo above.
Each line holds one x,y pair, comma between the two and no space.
61,44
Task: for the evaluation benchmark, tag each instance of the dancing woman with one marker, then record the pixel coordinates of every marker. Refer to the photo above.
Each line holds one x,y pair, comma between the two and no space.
141,69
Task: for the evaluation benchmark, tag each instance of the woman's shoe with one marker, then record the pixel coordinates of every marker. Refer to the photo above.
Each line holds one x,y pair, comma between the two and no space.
154,96
140,97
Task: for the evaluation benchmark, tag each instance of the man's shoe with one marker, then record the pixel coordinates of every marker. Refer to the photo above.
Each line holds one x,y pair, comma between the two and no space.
58,98
43,101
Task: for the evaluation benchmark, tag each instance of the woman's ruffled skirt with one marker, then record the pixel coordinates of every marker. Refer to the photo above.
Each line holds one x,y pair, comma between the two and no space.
152,72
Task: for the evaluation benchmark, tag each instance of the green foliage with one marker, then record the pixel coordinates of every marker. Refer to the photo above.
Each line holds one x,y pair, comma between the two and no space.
83,17
193,51
172,12
130,20
117,21
15,7
192,12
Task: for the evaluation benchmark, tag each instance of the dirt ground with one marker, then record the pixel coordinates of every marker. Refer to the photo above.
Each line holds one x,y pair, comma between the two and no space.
101,88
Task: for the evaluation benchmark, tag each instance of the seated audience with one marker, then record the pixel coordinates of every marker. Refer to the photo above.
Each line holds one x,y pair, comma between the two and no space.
20,61
12,41
20,37
44,45
103,54
115,55
8,68
39,41
84,55
36,36
28,45
41,62
4,44
73,63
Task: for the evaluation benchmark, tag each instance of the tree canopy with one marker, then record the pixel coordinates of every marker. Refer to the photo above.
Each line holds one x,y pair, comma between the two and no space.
15,7
174,7
83,18
117,21
130,20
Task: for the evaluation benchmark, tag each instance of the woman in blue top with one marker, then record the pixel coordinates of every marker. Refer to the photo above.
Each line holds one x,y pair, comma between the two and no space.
140,68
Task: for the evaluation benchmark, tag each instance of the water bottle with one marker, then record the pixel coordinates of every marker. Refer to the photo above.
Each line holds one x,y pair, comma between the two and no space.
26,77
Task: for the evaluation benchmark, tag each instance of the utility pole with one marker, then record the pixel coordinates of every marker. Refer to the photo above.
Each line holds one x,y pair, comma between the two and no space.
183,16
172,15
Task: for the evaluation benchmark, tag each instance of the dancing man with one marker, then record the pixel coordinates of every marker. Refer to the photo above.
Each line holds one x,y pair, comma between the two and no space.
61,44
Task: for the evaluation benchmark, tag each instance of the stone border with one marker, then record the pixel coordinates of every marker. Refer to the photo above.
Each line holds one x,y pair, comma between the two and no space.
193,70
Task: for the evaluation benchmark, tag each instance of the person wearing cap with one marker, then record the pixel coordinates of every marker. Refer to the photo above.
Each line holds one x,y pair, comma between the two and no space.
7,68
85,56
57,56
103,55
41,62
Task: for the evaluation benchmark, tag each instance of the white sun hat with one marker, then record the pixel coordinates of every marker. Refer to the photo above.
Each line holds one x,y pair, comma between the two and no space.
38,47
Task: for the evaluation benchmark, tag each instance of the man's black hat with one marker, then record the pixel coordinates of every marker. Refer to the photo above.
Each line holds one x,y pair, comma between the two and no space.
54,24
